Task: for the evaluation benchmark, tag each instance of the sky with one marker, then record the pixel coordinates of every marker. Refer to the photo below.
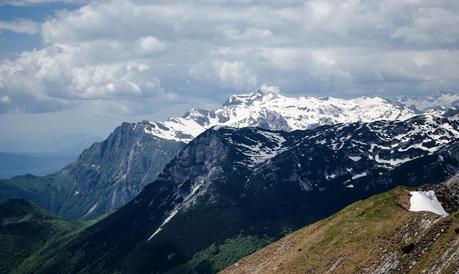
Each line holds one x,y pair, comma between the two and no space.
80,68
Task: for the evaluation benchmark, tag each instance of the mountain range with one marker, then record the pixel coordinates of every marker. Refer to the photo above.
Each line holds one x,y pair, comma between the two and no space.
110,173
175,197
270,110
231,191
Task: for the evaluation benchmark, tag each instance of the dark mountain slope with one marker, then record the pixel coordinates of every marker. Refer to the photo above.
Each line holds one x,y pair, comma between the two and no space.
106,176
231,191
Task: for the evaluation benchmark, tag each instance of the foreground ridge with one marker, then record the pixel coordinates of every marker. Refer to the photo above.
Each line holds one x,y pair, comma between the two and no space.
377,235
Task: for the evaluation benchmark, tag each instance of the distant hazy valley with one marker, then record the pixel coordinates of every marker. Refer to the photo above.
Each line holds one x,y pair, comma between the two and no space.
25,156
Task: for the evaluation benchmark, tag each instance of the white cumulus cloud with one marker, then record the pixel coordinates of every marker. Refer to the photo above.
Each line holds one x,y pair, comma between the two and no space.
150,44
127,50
235,73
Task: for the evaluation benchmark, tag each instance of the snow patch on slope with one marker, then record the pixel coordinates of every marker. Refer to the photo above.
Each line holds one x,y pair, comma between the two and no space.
355,158
393,162
257,151
360,175
171,215
426,201
90,210
188,198
176,209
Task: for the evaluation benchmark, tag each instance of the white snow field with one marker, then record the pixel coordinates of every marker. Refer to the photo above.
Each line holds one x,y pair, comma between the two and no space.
426,201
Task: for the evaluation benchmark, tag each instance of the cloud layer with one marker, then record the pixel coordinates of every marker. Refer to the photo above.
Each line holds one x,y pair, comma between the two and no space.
20,26
126,51
38,2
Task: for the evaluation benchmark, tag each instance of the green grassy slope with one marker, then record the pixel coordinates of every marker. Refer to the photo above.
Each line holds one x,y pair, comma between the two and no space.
25,229
368,236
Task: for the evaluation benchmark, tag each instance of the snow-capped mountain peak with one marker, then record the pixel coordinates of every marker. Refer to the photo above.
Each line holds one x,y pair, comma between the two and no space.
267,108
256,97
